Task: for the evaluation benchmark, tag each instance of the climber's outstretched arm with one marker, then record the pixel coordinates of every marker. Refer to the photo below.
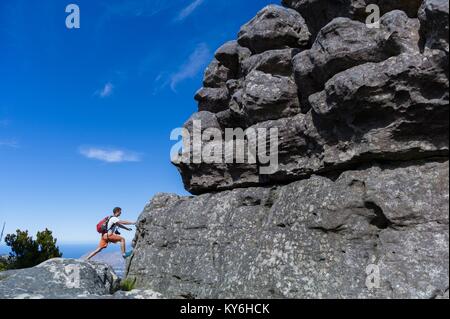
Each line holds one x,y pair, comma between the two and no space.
125,222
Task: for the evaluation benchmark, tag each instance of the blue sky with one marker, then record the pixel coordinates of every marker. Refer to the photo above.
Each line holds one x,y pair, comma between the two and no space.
86,114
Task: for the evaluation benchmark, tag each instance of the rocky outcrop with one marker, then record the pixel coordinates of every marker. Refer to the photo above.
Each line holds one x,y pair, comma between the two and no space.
274,27
356,94
344,43
314,238
67,279
357,206
59,279
318,13
433,15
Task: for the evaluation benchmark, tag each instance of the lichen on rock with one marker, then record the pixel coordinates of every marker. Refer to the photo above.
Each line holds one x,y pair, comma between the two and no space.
361,187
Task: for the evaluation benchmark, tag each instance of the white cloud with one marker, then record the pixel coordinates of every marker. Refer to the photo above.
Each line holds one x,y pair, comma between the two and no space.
196,62
110,155
106,91
186,12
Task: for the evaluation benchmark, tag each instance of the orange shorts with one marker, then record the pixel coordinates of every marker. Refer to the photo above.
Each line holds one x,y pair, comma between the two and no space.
109,239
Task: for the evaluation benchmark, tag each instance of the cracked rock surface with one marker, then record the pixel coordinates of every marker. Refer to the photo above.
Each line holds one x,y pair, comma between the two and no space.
353,94
313,238
59,279
358,205
67,279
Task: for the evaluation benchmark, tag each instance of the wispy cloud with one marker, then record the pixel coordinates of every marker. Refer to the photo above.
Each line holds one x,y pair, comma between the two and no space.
195,63
186,12
9,143
106,91
109,155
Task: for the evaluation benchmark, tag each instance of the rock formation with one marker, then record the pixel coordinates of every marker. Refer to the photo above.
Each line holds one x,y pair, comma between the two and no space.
67,279
358,205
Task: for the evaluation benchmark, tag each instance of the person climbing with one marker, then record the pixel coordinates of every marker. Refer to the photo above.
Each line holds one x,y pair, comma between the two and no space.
109,233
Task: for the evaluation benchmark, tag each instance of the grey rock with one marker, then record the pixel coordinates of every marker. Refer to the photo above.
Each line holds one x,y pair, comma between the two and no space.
212,99
230,118
7,273
301,149
401,100
205,118
234,85
216,75
361,185
266,97
410,7
319,13
68,279
445,295
60,279
221,77
113,259
274,27
433,16
199,178
393,110
136,294
275,62
403,31
314,238
231,54
344,43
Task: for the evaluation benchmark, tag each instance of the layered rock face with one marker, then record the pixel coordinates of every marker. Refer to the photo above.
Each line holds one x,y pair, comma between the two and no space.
358,203
319,12
353,94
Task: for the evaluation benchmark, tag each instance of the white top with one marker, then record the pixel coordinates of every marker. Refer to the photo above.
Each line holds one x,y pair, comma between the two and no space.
112,224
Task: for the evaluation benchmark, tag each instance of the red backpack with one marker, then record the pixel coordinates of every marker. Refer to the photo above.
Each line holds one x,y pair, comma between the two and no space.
102,226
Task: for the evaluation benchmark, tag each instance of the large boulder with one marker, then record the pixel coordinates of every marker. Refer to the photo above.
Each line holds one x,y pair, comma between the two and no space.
345,43
275,62
401,101
60,279
274,27
315,238
433,15
68,279
212,99
231,54
267,97
354,204
216,75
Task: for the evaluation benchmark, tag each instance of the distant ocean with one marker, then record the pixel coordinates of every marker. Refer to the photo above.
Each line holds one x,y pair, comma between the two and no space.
110,255
69,250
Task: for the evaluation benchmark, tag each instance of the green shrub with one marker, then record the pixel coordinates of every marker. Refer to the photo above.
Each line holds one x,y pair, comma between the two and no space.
27,252
3,266
128,284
